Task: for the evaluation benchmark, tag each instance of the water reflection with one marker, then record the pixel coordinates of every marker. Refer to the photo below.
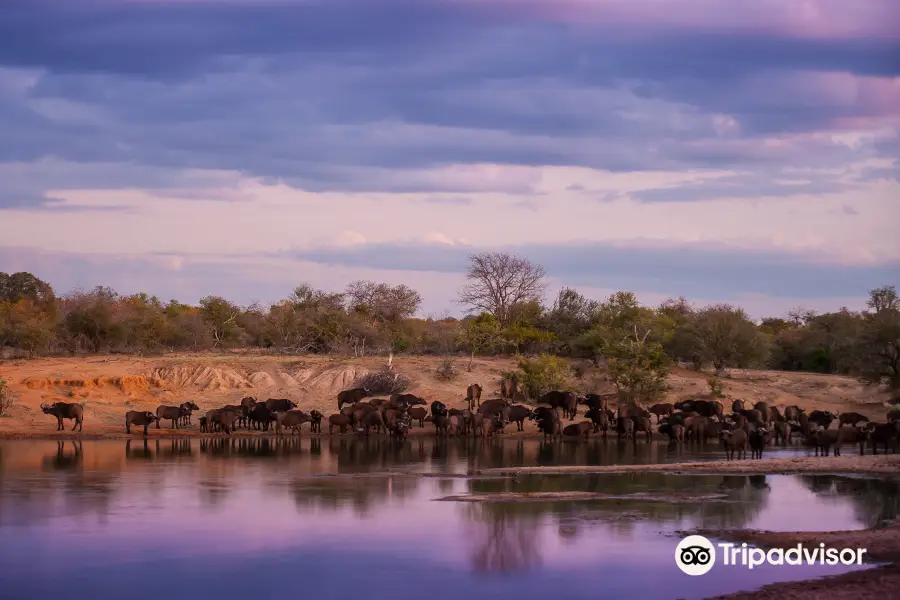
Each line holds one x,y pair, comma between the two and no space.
345,495
875,501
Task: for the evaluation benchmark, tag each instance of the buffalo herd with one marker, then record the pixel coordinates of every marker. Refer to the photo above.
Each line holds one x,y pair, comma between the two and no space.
689,421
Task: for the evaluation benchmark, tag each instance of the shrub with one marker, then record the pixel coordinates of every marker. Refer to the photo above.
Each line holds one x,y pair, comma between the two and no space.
716,388
384,382
447,370
7,398
539,375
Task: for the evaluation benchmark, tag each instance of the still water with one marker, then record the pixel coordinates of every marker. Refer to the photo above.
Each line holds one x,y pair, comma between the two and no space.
341,518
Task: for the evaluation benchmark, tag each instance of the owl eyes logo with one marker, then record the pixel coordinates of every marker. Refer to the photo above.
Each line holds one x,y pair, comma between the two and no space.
695,555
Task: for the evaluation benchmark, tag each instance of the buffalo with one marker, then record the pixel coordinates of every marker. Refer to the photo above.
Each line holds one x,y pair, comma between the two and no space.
852,418
584,428
173,413
280,404
758,439
351,396
735,441
518,414
138,417
473,395
292,419
340,420
65,410
822,418
567,401
417,413
662,410
315,421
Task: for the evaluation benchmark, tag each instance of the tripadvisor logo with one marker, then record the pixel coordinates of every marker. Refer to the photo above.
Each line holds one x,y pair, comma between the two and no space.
695,555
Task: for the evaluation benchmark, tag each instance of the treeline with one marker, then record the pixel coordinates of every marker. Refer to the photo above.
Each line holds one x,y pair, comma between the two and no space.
505,293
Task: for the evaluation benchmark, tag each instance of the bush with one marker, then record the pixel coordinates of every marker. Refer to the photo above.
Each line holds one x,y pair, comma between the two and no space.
716,388
447,370
7,398
539,375
384,382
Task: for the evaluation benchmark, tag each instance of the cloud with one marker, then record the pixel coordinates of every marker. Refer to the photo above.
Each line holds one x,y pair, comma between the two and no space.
419,130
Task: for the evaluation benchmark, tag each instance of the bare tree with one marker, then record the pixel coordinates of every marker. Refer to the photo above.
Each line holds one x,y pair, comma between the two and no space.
499,281
383,302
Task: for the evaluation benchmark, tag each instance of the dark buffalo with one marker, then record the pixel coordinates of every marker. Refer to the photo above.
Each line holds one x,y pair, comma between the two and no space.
758,439
339,420
204,424
260,416
293,420
473,395
674,431
583,429
438,409
173,413
186,409
491,407
782,432
223,419
315,421
737,406
885,434
643,424
508,387
441,424
280,404
705,408
373,419
662,410
404,401
548,421
417,413
600,420
518,414
567,401
822,418
893,415
65,410
597,401
351,396
735,441
625,427
399,428
753,416
852,418
792,413
139,418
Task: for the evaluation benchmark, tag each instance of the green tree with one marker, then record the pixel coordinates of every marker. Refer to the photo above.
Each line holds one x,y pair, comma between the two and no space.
221,318
541,374
480,334
637,366
722,334
878,348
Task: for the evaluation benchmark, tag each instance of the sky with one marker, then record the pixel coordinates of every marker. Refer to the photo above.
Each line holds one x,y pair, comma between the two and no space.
740,151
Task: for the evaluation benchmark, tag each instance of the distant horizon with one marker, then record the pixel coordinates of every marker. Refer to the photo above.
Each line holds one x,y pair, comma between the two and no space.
733,151
456,310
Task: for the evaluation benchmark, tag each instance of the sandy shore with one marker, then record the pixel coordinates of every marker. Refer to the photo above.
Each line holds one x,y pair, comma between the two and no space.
880,465
880,583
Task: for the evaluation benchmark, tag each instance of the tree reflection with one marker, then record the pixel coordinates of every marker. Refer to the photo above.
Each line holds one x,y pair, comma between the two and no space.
874,501
502,540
